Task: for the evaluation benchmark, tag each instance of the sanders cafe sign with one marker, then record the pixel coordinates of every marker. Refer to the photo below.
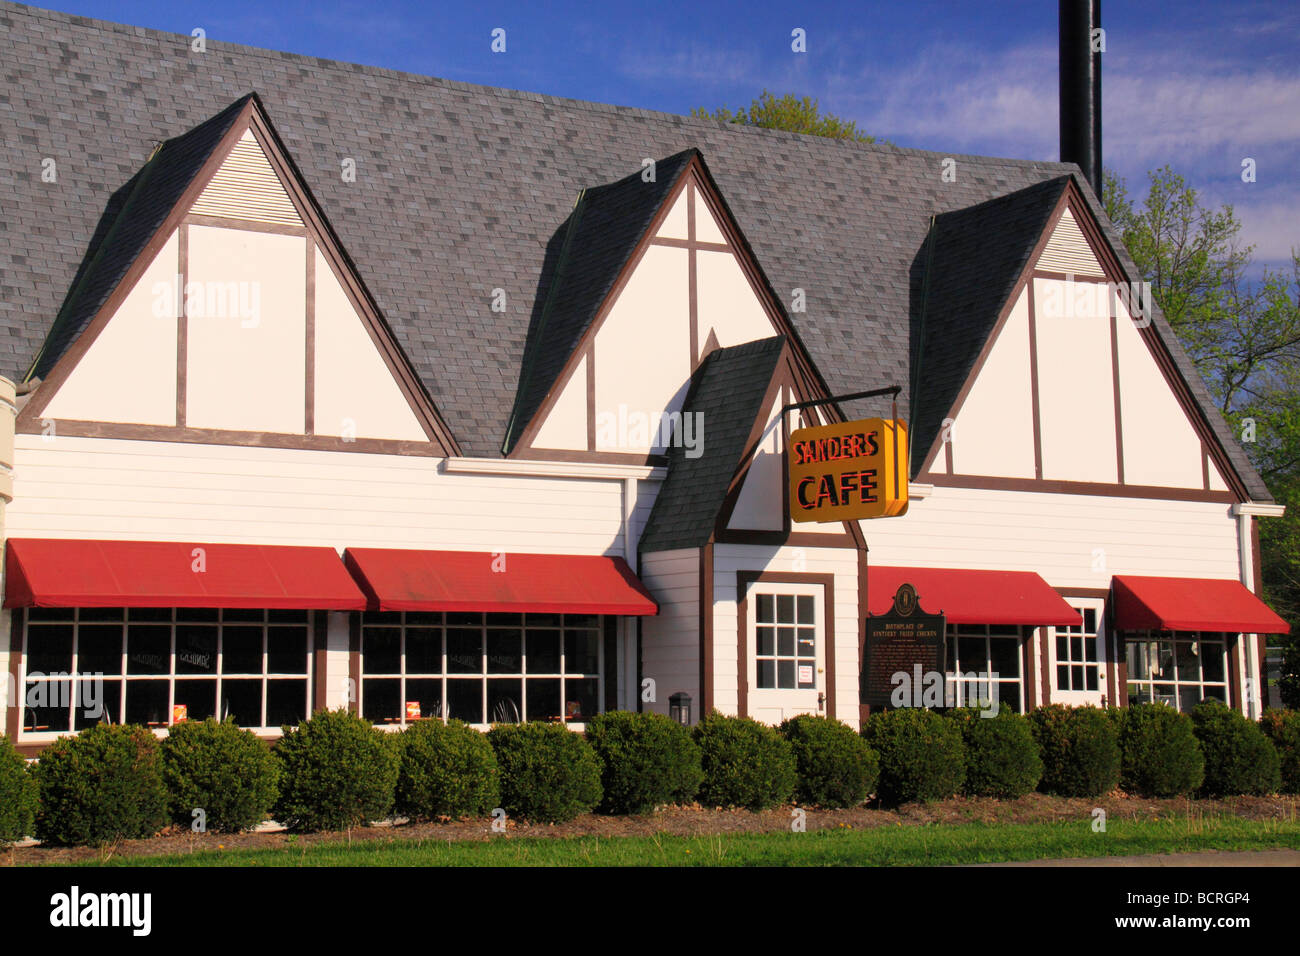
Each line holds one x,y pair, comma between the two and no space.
854,470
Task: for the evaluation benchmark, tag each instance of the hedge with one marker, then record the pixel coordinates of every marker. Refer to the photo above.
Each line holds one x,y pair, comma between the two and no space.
17,795
1002,758
226,772
746,764
1239,757
549,774
835,765
646,760
1161,755
337,772
922,756
1079,747
102,785
1283,728
446,770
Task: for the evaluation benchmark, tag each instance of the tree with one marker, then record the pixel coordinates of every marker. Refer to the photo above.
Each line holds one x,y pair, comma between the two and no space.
790,113
1244,337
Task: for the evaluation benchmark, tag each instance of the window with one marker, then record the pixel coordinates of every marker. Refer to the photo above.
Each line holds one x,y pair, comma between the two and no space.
785,630
482,668
1077,667
1180,668
984,659
158,666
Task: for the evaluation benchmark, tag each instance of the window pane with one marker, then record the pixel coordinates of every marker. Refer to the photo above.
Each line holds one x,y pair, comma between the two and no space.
1090,674
381,650
1076,648
242,701
245,615
807,642
543,649
49,649
806,674
973,654
199,697
542,620
1062,647
381,617
1063,677
1090,649
1004,658
99,649
785,674
148,649
805,609
1188,697
286,702
423,651
465,700
582,620
286,617
581,698
766,641
241,651
785,608
50,614
286,650
146,703
427,692
381,700
99,700
1218,693
1189,661
424,618
196,650
1211,661
505,700
765,609
111,614
1090,620
767,674
47,706
182,614
543,699
465,653
1009,696
1139,694
1165,694
581,652
785,641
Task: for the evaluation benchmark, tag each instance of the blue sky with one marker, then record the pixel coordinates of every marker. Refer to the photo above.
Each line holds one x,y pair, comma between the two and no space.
1199,89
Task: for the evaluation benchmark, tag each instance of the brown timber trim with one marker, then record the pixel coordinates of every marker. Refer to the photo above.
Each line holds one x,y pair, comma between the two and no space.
247,225
743,581
182,323
707,695
591,397
1205,467
320,655
1103,593
1119,417
692,277
597,457
1256,559
1035,409
309,372
35,406
1236,650
1026,667
13,706
691,244
1053,486
796,539
354,661
73,428
1045,664
947,453
1070,276
864,711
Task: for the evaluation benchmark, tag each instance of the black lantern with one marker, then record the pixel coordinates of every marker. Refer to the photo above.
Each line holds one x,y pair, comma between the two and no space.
679,708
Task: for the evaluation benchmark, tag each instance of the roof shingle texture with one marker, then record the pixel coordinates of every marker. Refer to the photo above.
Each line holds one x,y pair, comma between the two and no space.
460,189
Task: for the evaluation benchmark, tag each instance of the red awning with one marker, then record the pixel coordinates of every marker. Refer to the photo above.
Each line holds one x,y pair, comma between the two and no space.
1191,604
399,580
973,597
47,572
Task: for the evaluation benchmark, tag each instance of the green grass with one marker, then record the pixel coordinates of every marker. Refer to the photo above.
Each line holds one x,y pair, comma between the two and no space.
882,846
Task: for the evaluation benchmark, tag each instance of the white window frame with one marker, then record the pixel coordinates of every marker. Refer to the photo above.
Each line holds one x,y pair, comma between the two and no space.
1071,695
955,671
1201,638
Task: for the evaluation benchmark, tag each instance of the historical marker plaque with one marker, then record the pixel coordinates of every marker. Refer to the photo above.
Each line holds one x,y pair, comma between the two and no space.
897,642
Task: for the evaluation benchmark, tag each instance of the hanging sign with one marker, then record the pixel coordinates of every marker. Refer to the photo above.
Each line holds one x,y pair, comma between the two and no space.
848,470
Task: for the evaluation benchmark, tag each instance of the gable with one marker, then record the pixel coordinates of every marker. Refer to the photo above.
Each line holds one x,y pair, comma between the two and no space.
680,295
245,327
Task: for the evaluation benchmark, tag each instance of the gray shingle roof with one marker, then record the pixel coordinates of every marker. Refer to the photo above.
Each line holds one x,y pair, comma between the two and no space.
460,189
727,392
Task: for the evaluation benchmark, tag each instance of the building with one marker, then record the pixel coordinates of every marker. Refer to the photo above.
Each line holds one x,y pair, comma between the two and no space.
341,386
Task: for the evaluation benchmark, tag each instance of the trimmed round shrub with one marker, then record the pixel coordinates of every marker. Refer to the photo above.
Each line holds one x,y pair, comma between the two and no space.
746,764
646,760
17,795
337,772
1161,755
102,785
922,756
445,770
1001,754
549,774
835,765
228,773
1283,728
1239,757
1079,747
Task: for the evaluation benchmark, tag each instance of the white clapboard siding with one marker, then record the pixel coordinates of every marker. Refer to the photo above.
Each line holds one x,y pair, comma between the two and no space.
670,641
246,187
1068,250
1071,540
730,559
85,487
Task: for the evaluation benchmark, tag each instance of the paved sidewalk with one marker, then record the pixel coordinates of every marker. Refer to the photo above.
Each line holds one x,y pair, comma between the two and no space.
1207,858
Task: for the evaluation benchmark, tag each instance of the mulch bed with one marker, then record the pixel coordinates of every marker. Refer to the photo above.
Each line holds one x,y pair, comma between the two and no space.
694,821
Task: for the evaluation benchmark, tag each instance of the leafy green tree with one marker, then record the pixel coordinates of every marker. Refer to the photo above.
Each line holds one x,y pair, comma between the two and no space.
791,113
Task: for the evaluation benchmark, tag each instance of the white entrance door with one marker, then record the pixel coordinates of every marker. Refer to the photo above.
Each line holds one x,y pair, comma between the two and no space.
786,649
1078,656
